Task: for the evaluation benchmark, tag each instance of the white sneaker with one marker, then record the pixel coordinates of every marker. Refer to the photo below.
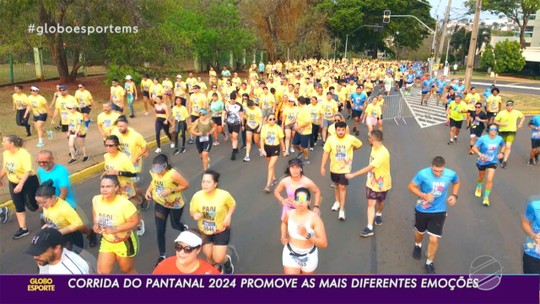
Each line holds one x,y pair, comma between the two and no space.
335,206
292,150
140,229
246,159
158,150
341,215
172,145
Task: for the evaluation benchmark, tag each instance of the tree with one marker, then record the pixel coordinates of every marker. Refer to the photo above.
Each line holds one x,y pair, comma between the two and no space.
517,10
508,57
488,59
461,38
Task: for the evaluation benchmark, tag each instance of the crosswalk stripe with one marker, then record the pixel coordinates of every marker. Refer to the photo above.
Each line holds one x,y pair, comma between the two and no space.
425,115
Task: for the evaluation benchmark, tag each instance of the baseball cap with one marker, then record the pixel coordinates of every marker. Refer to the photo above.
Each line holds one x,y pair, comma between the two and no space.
34,88
128,77
510,103
178,76
43,240
189,238
295,162
63,87
203,112
196,86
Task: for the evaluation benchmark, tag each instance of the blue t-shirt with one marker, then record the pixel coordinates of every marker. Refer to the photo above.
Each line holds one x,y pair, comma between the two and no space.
532,214
358,100
410,78
440,85
535,121
490,148
487,93
459,89
426,86
60,177
437,186
261,67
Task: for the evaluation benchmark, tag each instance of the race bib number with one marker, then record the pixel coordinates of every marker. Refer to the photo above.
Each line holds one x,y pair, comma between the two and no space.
204,138
209,227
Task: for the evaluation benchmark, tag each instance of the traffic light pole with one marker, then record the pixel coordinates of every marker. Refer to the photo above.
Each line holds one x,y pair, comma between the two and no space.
472,45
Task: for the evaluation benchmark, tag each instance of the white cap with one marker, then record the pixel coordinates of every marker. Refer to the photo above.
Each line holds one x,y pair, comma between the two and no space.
189,238
178,76
128,77
34,88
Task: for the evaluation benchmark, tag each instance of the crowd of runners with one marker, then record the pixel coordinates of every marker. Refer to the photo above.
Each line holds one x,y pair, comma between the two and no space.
280,110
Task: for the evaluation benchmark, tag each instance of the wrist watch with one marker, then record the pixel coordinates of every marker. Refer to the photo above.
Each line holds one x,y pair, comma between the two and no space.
309,235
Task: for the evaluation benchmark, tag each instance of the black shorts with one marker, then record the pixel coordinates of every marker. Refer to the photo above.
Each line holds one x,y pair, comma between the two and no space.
234,128
203,146
27,196
116,108
373,195
301,140
65,128
477,132
356,113
220,239
432,222
484,167
531,265
456,123
339,178
535,143
217,121
271,150
85,110
254,130
146,94
193,118
41,117
349,104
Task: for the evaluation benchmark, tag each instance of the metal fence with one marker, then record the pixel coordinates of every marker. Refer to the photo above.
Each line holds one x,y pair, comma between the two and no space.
395,108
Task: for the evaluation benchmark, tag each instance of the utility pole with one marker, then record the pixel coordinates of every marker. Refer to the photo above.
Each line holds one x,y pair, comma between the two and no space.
472,45
443,32
346,43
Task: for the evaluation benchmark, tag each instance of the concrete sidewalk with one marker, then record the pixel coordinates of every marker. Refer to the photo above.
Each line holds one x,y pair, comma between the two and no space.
80,171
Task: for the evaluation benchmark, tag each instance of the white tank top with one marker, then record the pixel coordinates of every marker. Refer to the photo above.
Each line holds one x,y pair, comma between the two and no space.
292,227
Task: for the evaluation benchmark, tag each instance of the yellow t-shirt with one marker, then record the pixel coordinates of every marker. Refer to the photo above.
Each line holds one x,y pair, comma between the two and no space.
253,117
304,115
214,209
316,112
122,163
38,104
16,164
173,200
146,84
83,97
267,101
156,89
76,121
341,152
167,85
107,121
270,135
197,103
62,102
180,113
129,88
368,86
329,108
493,103
471,100
117,94
373,110
380,102
379,179
112,214
289,113
131,144
20,100
508,117
456,110
180,89
62,215
350,89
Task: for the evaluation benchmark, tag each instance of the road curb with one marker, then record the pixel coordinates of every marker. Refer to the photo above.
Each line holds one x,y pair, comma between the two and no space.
535,112
86,173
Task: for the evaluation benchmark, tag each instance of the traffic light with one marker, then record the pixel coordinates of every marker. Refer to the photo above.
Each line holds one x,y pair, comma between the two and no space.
386,16
432,52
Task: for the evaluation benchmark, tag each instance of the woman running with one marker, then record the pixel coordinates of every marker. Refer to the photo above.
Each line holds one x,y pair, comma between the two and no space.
166,190
302,232
253,123
233,116
203,128
271,142
37,104
295,179
216,111
371,115
162,122
213,208
179,115
23,182
115,217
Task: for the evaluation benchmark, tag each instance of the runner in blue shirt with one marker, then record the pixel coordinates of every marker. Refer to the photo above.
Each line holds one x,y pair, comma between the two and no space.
441,85
530,223
534,124
488,148
410,81
431,186
459,88
358,100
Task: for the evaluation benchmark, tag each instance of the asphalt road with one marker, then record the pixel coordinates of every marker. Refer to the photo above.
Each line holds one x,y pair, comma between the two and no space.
471,230
515,87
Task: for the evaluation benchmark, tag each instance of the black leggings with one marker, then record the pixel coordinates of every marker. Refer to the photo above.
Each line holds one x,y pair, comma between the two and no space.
23,122
160,214
180,127
314,134
160,124
27,196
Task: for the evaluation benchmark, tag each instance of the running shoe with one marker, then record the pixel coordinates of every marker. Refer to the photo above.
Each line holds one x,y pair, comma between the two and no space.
183,150
430,268
190,141
161,258
450,142
531,162
310,148
85,159
20,233
140,229
478,192
504,165
417,252
40,144
215,143
246,158
292,150
367,232
172,145
72,161
158,150
228,267
306,162
485,202
335,206
378,220
233,156
274,182
131,116
176,152
4,215
145,204
341,215
357,133
455,139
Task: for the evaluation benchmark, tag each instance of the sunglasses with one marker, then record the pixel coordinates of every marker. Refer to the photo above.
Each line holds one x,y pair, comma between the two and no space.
271,119
62,90
34,90
493,129
110,145
187,249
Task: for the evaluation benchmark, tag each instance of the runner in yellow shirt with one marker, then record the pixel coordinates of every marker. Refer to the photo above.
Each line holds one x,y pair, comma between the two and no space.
378,181
146,83
130,91
493,104
317,117
253,126
84,98
40,109
507,120
179,119
456,113
372,114
106,120
117,97
303,130
271,141
167,90
63,100
289,118
20,104
76,132
329,108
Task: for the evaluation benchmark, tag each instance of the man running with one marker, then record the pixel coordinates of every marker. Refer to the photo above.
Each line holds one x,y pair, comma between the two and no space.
507,120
